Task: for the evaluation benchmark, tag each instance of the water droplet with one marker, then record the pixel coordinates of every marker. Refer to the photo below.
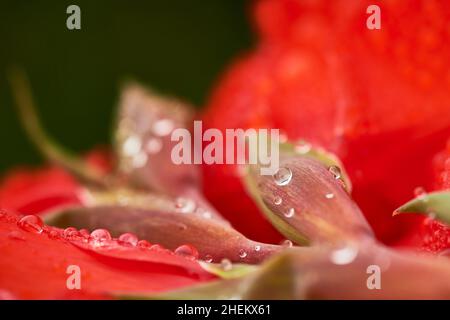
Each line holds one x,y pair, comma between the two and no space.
184,205
132,146
329,195
153,145
283,176
157,247
226,264
208,258
139,160
290,213
53,234
257,248
100,237
335,171
128,239
286,243
163,127
84,233
242,254
144,244
187,251
31,223
420,192
344,255
70,232
277,200
16,235
302,147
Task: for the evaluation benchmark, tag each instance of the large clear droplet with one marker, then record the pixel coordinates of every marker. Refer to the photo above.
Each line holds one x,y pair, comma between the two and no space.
344,255
283,176
100,237
286,243
336,172
290,213
187,251
31,223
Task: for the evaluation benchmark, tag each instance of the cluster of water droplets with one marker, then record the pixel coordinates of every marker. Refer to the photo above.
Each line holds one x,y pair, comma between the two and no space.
98,238
137,148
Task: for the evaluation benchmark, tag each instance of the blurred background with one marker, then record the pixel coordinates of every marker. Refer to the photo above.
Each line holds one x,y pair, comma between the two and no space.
178,47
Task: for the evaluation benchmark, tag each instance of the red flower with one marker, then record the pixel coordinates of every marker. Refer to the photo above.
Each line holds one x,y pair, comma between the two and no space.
368,110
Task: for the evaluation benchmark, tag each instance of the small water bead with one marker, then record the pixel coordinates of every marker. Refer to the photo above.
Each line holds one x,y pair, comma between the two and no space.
420,192
144,244
53,234
208,258
139,160
100,235
187,251
329,195
283,176
153,145
344,255
129,239
290,213
242,254
70,232
184,205
286,243
132,146
303,147
335,171
257,248
226,264
157,247
277,201
31,223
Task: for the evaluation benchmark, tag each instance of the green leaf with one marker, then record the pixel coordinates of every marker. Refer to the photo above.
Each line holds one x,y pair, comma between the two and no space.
435,203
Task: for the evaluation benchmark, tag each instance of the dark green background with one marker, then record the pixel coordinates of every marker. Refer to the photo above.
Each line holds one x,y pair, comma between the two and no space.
177,46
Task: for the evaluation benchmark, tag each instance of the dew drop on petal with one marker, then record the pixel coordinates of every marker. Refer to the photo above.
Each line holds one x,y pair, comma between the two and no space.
303,147
157,247
257,248
132,146
344,255
226,264
184,205
53,234
128,239
420,192
277,201
283,176
100,235
329,195
290,213
208,258
242,254
31,223
163,127
187,251
335,171
144,244
286,243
